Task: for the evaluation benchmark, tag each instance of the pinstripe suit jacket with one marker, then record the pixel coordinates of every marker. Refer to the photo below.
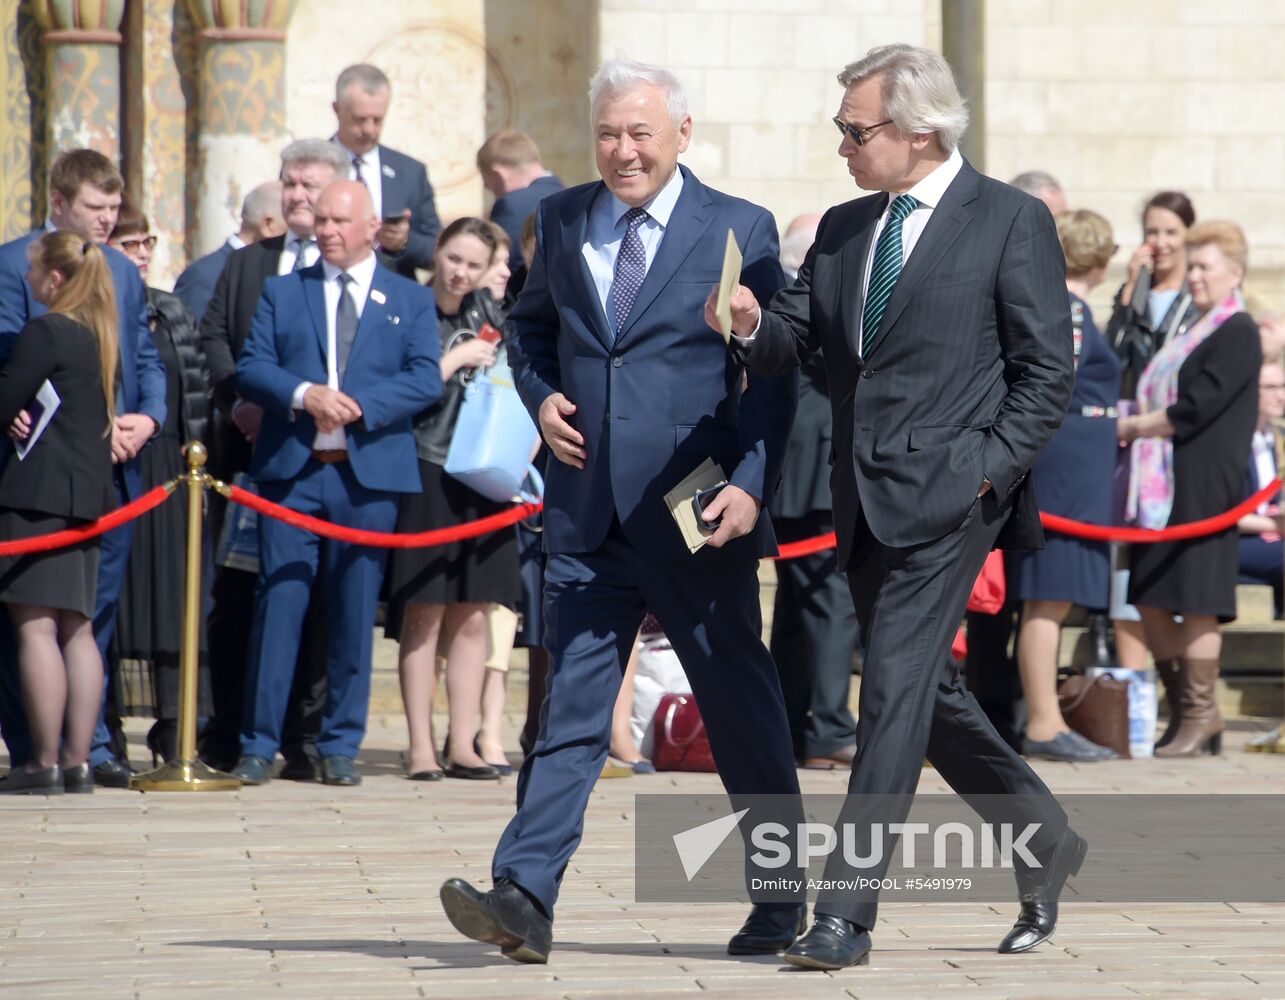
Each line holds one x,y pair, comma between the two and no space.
967,377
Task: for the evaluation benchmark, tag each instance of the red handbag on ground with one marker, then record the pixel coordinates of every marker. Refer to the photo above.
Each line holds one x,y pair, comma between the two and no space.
680,743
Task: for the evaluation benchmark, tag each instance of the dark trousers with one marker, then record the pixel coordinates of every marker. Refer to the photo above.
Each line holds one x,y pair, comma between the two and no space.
231,611
814,630
1261,562
913,704
288,561
594,604
991,673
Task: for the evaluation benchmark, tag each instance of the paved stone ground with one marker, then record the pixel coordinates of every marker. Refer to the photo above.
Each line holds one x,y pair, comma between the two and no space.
306,891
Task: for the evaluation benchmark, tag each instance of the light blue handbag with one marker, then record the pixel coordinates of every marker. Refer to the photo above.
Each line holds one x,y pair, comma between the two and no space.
494,436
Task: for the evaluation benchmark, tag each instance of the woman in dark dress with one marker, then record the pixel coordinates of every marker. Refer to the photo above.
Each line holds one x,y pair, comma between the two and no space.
449,586
149,624
65,479
1190,446
1072,478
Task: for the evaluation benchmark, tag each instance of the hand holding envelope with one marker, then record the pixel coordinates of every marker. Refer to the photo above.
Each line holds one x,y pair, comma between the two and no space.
731,307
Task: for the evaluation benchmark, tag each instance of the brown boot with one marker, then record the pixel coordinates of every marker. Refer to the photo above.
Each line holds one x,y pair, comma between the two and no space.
1169,673
1201,727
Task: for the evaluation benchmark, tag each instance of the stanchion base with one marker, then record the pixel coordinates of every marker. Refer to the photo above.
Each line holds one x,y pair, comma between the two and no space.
184,776
616,771
1273,742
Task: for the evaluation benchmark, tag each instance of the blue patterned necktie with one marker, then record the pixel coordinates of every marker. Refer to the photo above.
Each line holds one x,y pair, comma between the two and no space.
631,267
300,256
885,270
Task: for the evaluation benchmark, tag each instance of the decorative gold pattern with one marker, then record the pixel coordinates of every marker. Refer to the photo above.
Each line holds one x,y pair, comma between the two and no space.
84,99
243,88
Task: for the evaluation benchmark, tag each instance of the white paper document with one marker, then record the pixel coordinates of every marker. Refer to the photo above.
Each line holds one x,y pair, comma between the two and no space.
41,410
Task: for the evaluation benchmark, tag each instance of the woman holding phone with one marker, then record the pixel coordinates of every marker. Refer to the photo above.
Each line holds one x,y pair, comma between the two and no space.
449,587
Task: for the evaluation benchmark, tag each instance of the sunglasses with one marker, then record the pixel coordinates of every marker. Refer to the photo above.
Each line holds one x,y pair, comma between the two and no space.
133,245
858,133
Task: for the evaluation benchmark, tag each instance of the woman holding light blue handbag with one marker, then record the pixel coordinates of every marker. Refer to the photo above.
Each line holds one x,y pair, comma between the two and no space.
450,586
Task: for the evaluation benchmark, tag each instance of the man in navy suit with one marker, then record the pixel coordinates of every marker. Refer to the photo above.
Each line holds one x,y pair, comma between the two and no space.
399,186
632,395
261,218
511,170
341,356
84,197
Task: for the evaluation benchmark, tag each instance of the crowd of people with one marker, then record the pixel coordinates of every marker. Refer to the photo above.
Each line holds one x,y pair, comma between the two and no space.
1172,419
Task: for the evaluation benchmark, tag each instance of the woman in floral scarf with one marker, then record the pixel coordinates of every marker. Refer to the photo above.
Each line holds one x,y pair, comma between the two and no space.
1190,445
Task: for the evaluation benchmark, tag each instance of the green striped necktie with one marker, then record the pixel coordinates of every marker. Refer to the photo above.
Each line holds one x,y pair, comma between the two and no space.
885,270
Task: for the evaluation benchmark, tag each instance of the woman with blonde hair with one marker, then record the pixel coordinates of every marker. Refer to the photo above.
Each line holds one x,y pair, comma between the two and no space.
1073,478
64,479
1189,450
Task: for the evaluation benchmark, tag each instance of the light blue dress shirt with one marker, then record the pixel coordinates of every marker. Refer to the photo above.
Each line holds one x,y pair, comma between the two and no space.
606,231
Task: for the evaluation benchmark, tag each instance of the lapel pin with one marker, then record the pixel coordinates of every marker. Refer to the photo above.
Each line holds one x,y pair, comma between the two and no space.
394,320
377,296
387,171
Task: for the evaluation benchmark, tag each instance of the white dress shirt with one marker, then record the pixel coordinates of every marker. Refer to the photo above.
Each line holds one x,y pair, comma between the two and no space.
362,274
371,175
605,231
291,251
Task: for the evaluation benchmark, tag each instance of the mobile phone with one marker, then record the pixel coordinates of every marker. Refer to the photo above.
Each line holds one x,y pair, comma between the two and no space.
700,501
390,220
489,333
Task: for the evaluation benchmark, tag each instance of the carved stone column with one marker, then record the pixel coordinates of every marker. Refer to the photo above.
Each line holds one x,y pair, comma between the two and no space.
242,107
83,44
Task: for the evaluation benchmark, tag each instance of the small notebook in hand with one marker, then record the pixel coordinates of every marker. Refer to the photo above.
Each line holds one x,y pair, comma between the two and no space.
680,499
40,410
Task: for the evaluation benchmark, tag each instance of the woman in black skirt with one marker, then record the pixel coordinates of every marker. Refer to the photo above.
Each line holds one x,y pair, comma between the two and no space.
450,586
65,479
149,624
1190,447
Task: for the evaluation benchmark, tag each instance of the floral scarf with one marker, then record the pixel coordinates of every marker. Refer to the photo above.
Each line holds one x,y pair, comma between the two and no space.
1151,479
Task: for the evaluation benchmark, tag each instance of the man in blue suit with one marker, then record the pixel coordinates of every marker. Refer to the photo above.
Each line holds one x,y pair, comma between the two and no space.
398,184
261,218
632,394
84,197
341,356
511,170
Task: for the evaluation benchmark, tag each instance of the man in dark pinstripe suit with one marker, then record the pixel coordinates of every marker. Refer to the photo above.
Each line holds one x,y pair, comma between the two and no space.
940,308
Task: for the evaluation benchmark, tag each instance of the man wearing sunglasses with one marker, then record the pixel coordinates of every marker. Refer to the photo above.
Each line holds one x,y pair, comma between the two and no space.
939,306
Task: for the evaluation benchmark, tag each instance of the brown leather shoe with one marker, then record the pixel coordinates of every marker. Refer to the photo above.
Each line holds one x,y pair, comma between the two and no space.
839,757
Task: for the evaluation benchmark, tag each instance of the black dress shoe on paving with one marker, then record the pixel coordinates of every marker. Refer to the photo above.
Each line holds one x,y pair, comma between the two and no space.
46,781
78,780
831,759
832,943
1069,747
768,929
253,770
484,773
431,775
505,916
1040,889
113,773
339,771
298,769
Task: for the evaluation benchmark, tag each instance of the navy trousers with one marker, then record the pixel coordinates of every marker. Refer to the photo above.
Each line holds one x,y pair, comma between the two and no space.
594,604
288,561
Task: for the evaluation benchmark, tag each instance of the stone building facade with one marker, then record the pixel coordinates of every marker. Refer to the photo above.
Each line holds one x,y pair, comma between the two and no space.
1118,98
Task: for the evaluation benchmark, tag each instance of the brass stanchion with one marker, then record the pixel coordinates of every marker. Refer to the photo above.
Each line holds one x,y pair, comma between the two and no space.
187,773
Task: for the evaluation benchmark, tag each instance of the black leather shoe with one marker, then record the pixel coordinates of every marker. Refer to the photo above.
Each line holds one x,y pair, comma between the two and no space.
252,770
339,771
78,780
46,781
300,768
1040,889
504,916
768,929
484,773
113,773
832,943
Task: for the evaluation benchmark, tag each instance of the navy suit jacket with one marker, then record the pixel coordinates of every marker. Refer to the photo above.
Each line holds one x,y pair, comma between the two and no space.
141,376
663,396
392,373
511,211
195,286
405,184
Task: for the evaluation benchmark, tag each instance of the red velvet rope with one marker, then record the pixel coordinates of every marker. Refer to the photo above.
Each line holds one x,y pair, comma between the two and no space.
72,536
383,539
